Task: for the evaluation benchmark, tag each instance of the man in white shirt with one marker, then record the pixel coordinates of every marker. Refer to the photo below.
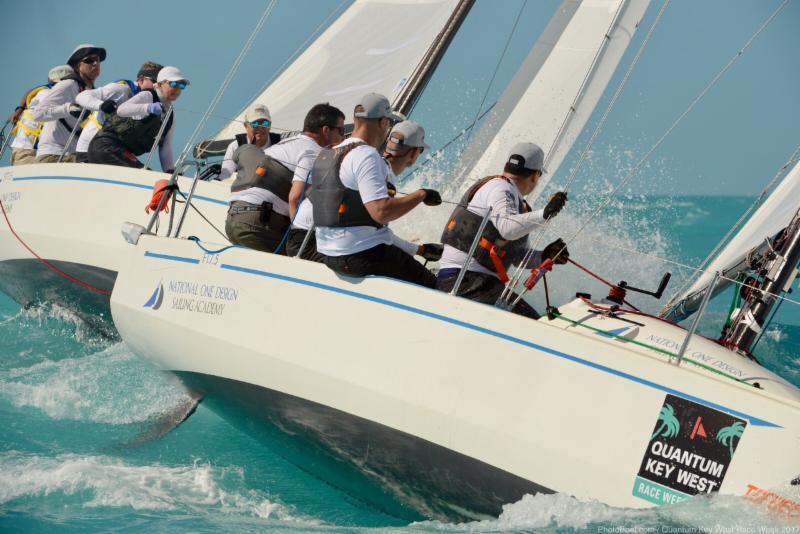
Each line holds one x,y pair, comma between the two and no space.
504,240
352,206
101,102
259,212
257,126
58,109
133,129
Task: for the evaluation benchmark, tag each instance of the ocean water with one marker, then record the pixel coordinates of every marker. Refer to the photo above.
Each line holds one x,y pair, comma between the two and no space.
77,452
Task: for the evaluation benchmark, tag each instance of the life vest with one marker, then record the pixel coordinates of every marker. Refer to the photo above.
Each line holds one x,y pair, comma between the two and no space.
138,136
336,205
81,87
26,125
256,169
241,139
493,252
95,118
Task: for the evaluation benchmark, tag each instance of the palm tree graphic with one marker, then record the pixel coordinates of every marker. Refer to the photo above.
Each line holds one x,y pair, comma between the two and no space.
669,423
726,435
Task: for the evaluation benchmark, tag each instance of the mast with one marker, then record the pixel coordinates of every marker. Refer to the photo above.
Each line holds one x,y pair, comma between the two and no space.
406,99
778,272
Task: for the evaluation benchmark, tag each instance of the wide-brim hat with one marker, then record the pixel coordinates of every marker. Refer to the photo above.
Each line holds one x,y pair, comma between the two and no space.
84,50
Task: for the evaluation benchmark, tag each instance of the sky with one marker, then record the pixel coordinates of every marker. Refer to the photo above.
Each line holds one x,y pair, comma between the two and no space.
731,144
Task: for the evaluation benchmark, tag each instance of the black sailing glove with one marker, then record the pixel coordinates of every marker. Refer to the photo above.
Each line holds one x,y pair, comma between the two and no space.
556,203
108,106
432,251
432,197
556,247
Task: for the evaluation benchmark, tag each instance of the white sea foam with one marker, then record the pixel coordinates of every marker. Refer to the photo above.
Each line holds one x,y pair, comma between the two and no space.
102,481
111,386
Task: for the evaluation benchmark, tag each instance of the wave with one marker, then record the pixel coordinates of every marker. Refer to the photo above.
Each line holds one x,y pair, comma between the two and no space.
112,386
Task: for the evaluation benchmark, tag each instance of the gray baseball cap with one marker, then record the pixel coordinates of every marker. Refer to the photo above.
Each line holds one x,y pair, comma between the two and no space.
529,156
376,106
408,133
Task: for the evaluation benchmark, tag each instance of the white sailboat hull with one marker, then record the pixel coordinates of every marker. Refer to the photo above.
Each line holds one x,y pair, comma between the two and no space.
70,215
449,404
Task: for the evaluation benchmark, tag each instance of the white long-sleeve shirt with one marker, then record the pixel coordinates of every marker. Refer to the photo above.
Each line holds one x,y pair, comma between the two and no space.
55,106
92,100
136,108
504,198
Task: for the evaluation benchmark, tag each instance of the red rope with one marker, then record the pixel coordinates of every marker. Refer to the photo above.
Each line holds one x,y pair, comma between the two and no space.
55,269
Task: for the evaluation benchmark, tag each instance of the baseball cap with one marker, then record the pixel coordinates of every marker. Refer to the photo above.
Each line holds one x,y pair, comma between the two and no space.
528,156
171,74
59,72
257,111
376,106
408,133
84,50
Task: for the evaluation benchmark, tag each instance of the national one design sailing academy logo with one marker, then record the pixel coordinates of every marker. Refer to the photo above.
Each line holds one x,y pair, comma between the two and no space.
157,298
689,451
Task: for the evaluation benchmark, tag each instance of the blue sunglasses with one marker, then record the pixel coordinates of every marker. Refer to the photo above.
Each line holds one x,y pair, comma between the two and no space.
263,123
179,85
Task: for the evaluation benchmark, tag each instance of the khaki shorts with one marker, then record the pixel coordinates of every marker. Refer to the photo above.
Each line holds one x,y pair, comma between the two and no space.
53,158
23,156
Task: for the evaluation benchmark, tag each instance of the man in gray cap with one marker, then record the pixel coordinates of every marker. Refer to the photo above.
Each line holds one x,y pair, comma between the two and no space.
257,124
352,205
504,240
58,109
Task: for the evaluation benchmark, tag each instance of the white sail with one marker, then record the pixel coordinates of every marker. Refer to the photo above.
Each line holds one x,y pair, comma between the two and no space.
771,217
374,46
570,65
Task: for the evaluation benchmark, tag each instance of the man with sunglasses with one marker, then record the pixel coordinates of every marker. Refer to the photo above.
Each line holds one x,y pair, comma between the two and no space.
352,205
258,216
257,125
58,109
101,102
133,129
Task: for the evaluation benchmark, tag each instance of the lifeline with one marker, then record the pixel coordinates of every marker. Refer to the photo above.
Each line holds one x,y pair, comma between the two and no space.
689,459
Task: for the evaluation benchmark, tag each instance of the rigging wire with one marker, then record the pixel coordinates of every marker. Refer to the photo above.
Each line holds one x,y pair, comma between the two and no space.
677,121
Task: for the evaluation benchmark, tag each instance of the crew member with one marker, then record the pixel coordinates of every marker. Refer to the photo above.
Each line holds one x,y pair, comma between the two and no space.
26,129
257,125
324,124
133,129
406,143
58,109
504,240
258,216
352,206
103,101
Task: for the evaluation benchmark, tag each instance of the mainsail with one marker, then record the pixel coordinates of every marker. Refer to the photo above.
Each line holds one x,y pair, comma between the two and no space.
374,46
558,85
771,217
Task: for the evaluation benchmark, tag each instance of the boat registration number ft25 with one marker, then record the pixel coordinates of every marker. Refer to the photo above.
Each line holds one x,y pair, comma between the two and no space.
689,451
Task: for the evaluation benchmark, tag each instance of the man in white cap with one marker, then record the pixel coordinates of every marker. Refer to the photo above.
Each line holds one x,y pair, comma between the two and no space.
103,101
352,205
257,125
132,130
504,240
258,216
26,129
58,109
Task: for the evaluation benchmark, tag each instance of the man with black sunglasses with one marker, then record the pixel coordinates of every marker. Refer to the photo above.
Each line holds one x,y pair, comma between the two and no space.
102,102
58,109
134,128
257,125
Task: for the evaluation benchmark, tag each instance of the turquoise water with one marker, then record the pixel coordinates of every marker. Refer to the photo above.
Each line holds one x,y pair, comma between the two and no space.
75,410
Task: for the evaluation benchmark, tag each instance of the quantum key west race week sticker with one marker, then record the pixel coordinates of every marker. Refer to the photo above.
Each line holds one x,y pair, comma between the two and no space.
689,451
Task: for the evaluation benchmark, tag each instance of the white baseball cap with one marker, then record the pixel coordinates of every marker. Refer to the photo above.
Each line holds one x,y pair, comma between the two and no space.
171,74
375,106
257,111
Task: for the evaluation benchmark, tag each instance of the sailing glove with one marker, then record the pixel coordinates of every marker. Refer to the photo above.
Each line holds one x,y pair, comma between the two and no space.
391,188
109,106
432,197
556,251
432,251
75,110
556,203
155,108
